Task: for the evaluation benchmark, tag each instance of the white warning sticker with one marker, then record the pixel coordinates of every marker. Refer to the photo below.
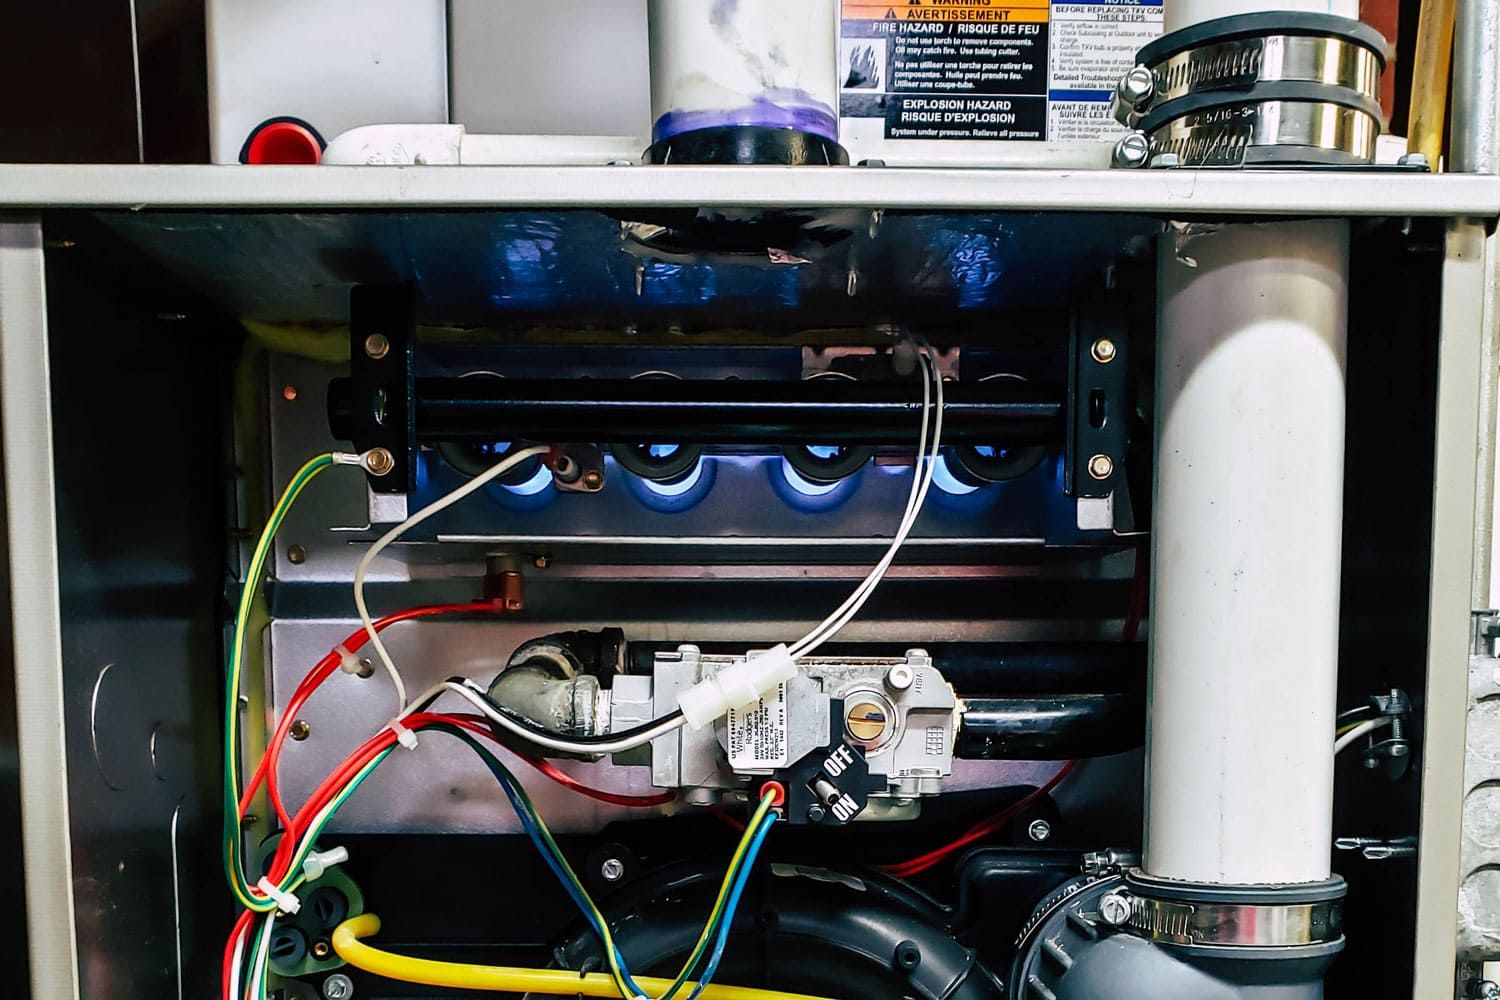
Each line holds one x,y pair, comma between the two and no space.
758,734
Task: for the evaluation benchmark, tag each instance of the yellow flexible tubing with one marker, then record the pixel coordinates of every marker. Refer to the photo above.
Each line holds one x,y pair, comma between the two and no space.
504,979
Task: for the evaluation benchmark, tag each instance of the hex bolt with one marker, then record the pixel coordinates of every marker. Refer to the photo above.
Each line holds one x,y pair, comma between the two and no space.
1104,350
338,987
612,870
1136,88
1039,830
1101,467
899,678
299,730
296,555
1133,150
377,346
816,812
379,461
1114,909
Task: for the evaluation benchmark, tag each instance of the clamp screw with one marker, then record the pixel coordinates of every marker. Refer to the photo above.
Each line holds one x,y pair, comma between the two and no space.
379,461
338,987
377,346
1039,830
899,677
1101,467
1136,88
612,870
1133,150
1114,909
1104,350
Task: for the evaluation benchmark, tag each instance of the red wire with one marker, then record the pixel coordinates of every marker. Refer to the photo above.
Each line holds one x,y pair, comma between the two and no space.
980,830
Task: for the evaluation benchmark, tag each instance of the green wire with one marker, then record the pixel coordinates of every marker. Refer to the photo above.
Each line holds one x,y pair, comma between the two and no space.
233,861
502,773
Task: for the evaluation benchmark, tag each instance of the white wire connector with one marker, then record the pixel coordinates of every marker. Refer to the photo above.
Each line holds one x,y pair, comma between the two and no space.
285,901
404,736
319,862
348,661
347,458
736,686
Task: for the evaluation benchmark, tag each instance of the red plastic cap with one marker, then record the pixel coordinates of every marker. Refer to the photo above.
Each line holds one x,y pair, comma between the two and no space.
284,142
777,791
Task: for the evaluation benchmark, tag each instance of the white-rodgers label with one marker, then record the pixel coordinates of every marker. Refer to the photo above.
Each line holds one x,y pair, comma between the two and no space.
758,734
996,70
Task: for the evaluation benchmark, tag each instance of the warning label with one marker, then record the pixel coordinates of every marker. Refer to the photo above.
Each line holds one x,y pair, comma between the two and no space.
990,69
758,734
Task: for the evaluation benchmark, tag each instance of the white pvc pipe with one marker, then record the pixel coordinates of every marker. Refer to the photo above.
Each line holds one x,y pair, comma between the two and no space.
1186,13
1248,524
744,62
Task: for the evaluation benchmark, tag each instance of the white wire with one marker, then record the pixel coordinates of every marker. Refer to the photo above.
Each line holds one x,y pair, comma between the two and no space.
262,958
239,959
436,507
560,744
922,473
1364,728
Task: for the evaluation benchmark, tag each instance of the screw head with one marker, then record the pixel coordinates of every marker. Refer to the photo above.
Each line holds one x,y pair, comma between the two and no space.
299,730
816,812
899,677
321,949
1104,350
1115,909
541,562
1101,467
296,555
379,461
377,346
1133,150
593,479
1136,88
1487,990
366,668
289,393
1039,830
612,870
338,987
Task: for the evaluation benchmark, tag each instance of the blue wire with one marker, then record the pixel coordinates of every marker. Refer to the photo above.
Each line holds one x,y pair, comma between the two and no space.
727,918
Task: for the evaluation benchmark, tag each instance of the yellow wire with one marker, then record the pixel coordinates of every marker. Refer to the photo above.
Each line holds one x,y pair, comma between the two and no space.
504,979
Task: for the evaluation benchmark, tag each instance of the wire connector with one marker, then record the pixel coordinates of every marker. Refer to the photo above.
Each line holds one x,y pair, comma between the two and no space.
285,901
318,862
736,686
347,458
404,736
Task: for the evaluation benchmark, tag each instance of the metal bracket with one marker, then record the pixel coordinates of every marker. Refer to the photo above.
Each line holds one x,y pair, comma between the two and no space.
1098,399
382,331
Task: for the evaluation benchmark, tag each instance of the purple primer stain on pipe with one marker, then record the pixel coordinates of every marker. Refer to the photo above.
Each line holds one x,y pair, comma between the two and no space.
788,109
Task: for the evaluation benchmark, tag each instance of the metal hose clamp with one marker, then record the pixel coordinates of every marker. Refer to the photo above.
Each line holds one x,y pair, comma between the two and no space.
1275,88
1274,917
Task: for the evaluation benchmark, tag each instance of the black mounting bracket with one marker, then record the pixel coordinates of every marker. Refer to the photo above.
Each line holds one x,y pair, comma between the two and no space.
1098,398
383,384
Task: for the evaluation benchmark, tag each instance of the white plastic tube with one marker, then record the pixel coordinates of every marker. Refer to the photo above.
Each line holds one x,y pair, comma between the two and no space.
1247,538
1186,13
772,63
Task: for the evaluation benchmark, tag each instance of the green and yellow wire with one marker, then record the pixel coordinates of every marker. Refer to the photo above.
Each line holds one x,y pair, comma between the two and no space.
233,860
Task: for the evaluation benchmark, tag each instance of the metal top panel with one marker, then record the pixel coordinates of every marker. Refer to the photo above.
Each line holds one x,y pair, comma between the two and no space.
1175,193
